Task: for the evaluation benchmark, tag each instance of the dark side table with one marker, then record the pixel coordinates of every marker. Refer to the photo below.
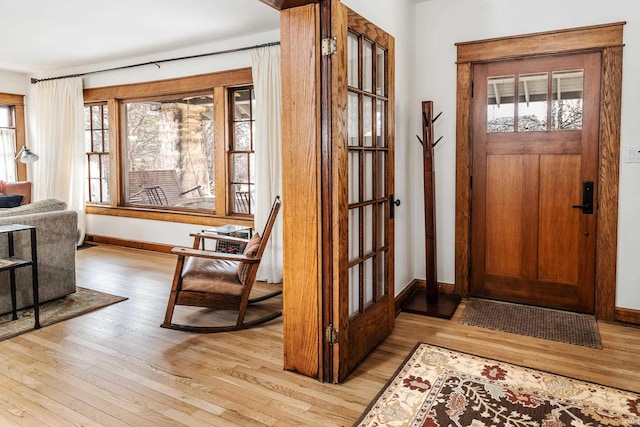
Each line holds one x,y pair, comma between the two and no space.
11,263
230,230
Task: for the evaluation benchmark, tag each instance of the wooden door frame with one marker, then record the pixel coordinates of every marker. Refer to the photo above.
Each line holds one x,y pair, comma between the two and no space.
288,4
606,39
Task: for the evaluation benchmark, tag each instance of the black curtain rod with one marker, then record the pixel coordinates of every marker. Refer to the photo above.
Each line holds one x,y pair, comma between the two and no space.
157,63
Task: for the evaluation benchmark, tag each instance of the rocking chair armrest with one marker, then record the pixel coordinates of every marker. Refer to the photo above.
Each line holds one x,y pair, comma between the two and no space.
214,255
198,187
213,236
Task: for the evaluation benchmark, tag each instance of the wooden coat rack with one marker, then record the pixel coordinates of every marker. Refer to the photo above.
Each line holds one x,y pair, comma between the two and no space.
430,301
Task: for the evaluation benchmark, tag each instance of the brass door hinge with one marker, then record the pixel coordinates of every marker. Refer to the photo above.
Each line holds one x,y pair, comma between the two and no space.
331,335
329,46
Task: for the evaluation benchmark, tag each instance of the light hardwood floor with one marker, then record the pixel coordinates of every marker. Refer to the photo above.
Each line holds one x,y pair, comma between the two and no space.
117,367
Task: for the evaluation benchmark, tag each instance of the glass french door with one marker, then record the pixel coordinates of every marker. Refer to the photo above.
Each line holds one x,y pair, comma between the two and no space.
363,138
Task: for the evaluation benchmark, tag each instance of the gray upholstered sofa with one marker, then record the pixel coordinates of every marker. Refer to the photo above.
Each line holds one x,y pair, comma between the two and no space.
56,236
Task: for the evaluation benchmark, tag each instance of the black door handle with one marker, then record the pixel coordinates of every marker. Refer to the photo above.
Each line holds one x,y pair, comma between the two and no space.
394,202
587,198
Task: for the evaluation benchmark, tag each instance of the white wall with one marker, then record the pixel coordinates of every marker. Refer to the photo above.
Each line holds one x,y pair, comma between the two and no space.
442,23
396,18
160,231
12,82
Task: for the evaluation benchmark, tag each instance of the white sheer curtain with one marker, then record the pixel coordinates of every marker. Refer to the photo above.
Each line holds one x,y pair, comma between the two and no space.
7,155
268,154
59,141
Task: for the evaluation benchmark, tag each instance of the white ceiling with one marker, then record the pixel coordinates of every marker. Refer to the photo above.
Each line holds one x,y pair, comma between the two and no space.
41,35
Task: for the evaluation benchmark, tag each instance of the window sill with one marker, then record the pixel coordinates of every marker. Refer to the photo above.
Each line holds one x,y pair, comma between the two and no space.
169,216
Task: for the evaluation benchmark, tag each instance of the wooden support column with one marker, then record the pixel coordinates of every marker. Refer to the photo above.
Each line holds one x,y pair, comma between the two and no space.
301,189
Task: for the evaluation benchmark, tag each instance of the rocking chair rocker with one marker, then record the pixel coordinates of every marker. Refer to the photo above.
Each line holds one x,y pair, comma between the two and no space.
220,281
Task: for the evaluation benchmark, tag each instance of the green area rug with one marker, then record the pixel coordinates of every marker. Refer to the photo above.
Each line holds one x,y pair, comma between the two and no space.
441,387
81,302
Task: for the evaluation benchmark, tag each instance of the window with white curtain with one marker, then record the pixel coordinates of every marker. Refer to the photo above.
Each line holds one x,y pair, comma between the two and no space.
96,138
179,147
7,143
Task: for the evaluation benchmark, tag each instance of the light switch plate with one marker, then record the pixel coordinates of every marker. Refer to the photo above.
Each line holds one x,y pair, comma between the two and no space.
632,154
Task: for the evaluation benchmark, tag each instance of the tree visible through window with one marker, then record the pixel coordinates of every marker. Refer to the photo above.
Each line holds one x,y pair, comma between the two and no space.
181,147
169,152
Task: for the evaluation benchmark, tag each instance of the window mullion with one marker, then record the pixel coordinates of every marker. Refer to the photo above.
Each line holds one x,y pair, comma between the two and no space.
221,144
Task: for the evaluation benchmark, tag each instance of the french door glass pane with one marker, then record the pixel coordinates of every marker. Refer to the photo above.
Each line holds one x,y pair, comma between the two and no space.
368,175
532,102
368,229
367,66
354,119
354,289
381,170
354,233
380,81
500,103
367,121
567,94
352,58
354,178
367,166
380,228
381,118
368,281
380,275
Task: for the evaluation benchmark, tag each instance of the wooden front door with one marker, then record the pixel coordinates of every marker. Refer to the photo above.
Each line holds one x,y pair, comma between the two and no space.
534,180
362,144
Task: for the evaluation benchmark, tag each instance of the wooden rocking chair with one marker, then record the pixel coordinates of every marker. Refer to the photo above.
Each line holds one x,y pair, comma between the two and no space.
220,281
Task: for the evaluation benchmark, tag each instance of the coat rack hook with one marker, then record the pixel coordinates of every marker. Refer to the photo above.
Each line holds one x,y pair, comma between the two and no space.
436,118
434,144
420,140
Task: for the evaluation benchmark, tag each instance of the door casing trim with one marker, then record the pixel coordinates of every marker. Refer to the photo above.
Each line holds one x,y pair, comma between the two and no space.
606,39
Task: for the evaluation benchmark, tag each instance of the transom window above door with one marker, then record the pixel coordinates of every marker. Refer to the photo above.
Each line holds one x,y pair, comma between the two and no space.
545,101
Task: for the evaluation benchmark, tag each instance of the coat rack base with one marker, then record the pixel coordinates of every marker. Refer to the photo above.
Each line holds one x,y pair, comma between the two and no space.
443,308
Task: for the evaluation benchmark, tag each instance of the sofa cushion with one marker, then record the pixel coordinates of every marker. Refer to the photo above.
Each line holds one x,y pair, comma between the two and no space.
10,200
48,205
20,187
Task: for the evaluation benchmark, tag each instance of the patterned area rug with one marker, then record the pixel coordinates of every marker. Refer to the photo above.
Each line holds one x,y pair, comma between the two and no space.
441,387
555,325
81,302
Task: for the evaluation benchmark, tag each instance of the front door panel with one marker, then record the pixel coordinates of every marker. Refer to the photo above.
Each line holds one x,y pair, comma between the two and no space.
535,132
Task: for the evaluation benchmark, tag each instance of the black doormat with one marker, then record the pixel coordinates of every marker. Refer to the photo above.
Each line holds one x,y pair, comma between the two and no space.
545,323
